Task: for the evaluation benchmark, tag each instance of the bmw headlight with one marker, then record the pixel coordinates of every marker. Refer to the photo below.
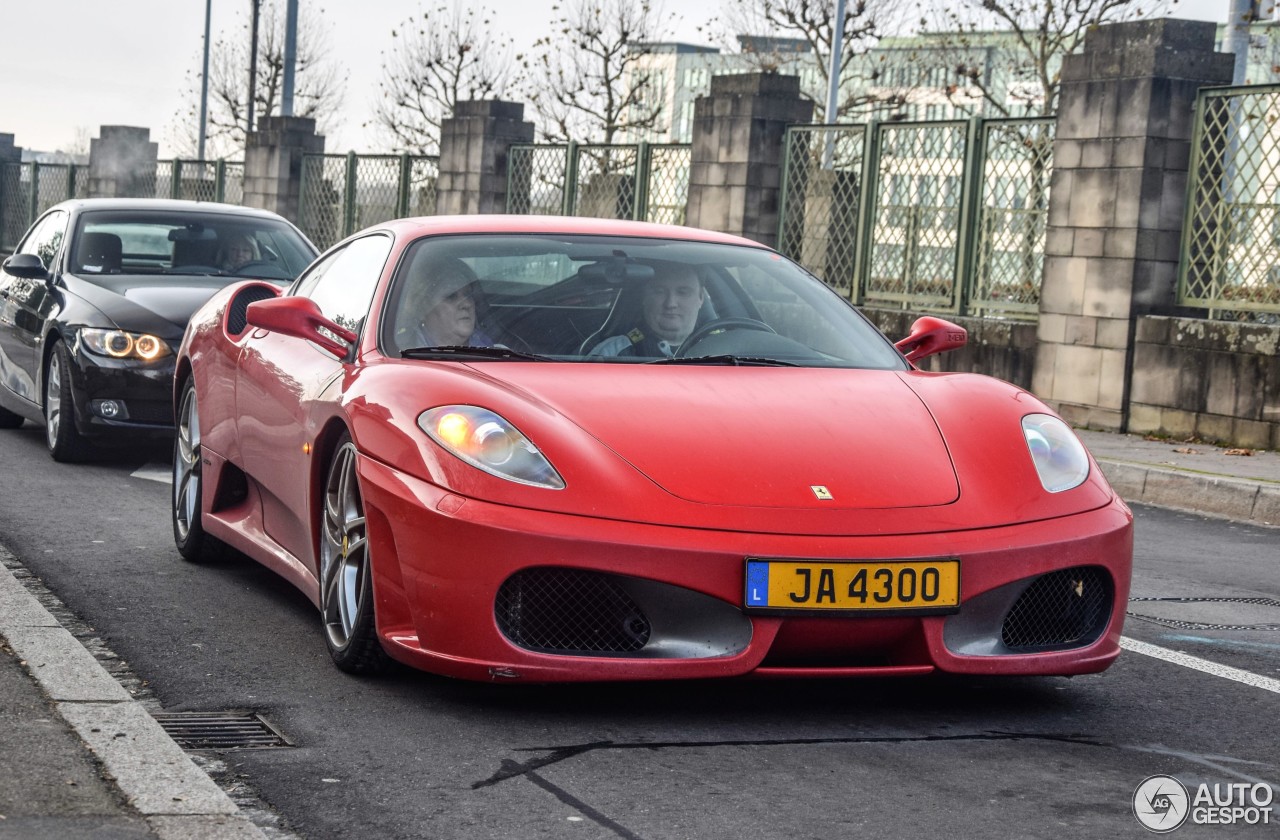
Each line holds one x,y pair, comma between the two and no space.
118,344
1058,454
488,442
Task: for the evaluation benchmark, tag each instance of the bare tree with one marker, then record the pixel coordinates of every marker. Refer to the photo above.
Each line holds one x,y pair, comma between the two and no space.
813,24
587,80
444,56
1004,56
319,84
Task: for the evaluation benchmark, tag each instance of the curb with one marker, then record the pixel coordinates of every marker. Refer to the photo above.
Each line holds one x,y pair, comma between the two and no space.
177,799
1241,500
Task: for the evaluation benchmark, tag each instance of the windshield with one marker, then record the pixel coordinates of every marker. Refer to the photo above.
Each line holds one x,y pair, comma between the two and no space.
182,242
620,300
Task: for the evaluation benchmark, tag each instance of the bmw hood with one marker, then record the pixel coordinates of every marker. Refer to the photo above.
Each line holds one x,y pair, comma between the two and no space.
760,437
158,304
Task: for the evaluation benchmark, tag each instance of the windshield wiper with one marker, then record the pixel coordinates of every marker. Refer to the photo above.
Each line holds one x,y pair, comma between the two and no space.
724,359
464,351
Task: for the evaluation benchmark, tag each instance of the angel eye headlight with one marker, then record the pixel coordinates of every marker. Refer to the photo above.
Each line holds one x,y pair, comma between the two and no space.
118,344
488,442
1059,456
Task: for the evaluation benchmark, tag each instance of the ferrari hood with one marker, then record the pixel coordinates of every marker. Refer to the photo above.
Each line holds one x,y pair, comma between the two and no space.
760,437
160,304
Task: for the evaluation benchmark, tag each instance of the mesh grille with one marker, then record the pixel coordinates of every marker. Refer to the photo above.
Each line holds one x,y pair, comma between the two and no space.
1013,215
535,183
819,224
915,234
606,187
237,312
1064,609
1231,246
570,611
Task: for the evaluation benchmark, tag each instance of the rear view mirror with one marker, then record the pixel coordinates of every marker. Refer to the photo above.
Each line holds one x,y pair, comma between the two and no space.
930,336
299,317
26,266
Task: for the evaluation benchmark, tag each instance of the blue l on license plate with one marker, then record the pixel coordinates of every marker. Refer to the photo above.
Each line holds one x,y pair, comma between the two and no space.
910,586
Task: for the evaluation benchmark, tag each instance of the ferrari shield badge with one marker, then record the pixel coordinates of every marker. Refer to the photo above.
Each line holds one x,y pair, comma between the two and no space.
823,494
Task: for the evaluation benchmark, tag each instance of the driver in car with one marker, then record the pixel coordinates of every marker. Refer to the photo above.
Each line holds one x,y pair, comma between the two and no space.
238,252
669,308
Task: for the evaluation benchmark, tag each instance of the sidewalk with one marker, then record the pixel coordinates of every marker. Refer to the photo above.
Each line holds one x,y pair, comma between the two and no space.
82,759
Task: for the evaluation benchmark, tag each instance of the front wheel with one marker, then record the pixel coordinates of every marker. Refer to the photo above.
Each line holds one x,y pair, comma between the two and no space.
64,440
188,483
346,583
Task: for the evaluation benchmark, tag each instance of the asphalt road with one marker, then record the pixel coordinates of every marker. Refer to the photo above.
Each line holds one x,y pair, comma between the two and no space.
415,756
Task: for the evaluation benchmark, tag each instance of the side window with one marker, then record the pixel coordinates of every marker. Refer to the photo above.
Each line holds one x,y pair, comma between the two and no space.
46,238
342,285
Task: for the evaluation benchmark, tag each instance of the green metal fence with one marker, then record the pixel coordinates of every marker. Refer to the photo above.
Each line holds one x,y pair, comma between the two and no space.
1230,260
200,180
947,216
28,189
342,194
646,181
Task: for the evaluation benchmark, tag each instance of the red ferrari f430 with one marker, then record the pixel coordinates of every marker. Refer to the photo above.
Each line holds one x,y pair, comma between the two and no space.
540,449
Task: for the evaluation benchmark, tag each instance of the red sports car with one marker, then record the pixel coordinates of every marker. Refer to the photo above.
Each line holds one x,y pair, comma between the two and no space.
541,449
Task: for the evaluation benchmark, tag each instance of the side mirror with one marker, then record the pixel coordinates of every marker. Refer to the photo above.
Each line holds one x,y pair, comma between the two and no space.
301,318
27,266
930,336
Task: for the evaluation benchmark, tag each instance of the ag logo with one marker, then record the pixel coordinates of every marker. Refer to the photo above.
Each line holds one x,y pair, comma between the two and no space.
1161,804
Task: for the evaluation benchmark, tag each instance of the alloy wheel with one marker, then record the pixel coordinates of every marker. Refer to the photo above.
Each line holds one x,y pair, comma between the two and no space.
344,555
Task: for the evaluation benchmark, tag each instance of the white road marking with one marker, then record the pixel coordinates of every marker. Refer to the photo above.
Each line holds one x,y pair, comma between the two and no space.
162,473
1198,664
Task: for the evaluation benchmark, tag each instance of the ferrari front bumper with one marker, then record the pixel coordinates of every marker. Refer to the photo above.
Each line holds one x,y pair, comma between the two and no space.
482,591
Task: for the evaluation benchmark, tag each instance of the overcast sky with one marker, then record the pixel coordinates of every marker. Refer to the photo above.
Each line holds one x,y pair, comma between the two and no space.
70,66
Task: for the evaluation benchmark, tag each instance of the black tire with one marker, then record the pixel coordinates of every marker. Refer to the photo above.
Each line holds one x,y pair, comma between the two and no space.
9,420
346,581
63,439
188,483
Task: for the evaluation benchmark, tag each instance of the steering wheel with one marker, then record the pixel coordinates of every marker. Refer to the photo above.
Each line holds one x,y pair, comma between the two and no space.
253,264
721,325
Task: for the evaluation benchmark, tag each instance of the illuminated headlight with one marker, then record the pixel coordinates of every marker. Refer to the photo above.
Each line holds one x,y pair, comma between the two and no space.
118,344
488,442
1058,454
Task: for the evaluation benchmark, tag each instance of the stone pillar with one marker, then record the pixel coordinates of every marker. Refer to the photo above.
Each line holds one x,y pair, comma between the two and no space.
122,163
474,143
1120,159
273,163
9,153
735,176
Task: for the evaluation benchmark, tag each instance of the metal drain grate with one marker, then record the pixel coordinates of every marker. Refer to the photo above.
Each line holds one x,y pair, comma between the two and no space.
220,730
1181,624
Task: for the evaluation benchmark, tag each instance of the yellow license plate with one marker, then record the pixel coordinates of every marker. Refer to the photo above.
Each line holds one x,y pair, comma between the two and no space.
847,586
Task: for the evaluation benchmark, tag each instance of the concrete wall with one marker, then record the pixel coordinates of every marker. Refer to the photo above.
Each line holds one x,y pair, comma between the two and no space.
1215,380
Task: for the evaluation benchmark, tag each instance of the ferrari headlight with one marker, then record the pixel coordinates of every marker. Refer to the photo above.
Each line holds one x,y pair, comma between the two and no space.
1058,454
118,344
488,442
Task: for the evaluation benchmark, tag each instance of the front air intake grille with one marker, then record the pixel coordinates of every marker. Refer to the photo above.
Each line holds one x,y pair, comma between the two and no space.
237,317
570,611
1063,609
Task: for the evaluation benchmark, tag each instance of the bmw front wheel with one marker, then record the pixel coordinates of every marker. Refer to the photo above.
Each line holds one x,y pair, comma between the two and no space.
64,440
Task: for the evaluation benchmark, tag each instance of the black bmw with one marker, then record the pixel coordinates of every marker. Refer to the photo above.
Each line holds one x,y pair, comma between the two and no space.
94,302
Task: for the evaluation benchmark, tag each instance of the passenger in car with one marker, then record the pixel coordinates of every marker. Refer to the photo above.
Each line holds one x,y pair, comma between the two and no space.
448,291
669,307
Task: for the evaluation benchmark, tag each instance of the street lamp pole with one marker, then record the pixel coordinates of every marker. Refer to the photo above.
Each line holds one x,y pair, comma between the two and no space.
290,56
253,66
204,82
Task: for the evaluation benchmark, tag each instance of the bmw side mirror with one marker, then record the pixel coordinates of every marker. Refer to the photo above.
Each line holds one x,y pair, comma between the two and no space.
27,266
930,336
299,317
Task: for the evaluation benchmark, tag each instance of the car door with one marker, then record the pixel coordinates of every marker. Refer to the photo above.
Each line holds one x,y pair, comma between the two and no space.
284,387
24,308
